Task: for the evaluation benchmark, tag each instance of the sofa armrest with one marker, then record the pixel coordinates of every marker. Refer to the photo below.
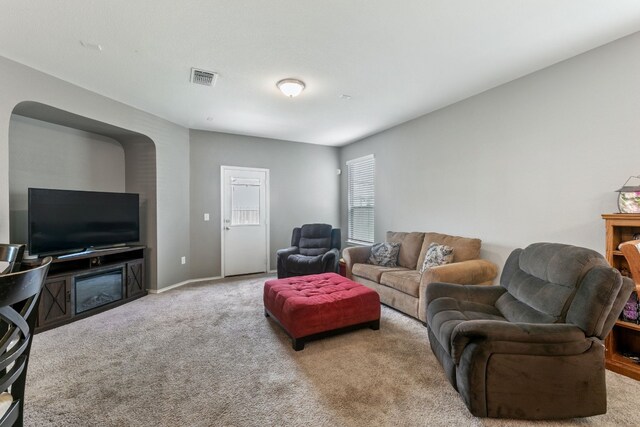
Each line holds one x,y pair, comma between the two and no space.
543,339
355,255
470,272
473,272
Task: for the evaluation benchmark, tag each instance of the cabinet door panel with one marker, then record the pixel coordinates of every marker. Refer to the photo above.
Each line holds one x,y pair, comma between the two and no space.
55,300
135,278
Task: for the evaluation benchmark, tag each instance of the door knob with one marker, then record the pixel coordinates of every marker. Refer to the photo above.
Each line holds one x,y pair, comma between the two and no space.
227,228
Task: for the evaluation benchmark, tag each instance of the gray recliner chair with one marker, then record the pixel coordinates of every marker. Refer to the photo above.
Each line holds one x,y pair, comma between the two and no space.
315,248
532,347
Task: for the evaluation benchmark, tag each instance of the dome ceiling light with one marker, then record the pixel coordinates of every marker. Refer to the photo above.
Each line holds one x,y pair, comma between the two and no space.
291,87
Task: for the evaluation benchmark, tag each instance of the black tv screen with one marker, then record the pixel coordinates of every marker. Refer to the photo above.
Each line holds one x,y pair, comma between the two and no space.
67,220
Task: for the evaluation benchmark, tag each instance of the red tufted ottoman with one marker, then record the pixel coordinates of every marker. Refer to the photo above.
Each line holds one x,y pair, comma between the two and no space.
310,307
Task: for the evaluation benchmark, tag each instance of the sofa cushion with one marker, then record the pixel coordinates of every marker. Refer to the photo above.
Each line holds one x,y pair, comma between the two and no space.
384,254
406,281
371,272
302,264
411,244
464,248
444,314
517,311
437,255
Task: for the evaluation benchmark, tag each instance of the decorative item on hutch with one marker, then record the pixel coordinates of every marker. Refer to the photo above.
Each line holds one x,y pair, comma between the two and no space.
630,310
629,197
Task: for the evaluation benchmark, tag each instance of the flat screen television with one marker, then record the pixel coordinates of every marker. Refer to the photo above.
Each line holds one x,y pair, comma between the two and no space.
68,220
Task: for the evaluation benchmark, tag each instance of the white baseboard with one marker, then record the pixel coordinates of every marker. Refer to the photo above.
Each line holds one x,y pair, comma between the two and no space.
186,282
177,285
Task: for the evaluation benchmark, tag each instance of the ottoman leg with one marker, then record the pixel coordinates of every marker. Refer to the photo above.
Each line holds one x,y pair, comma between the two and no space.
266,313
375,325
297,344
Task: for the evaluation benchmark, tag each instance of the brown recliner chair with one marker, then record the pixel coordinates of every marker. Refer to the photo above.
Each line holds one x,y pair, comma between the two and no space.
532,347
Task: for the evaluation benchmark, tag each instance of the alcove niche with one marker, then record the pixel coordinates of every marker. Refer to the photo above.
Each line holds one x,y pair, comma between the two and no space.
52,148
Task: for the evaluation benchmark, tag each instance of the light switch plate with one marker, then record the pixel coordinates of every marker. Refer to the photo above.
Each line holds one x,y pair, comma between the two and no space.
206,217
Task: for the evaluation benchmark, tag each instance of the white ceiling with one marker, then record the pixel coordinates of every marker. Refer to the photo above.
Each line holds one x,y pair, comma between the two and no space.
397,59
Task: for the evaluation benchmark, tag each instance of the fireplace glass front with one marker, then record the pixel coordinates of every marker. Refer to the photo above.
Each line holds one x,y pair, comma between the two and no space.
97,290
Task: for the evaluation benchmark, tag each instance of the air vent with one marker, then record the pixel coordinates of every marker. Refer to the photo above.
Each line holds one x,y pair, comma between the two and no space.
202,77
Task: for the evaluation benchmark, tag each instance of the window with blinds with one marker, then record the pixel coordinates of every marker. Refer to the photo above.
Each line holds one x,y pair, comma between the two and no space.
361,196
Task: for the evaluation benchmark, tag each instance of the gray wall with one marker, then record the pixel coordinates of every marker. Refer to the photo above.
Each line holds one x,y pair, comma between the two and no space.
304,189
20,83
537,159
46,155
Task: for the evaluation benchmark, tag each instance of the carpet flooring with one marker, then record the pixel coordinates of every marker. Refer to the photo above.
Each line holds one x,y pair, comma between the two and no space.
205,355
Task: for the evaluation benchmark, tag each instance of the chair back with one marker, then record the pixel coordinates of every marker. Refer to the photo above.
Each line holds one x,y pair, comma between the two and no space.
19,293
315,239
632,254
556,283
12,254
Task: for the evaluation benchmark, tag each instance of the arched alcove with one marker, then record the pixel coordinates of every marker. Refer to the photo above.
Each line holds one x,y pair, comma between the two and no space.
112,159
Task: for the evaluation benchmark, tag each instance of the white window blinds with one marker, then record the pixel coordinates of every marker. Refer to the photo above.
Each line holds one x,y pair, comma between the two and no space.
361,194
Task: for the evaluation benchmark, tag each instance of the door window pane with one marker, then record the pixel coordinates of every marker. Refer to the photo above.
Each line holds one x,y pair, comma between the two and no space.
245,201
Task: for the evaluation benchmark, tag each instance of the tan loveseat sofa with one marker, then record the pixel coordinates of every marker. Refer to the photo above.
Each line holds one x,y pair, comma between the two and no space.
403,287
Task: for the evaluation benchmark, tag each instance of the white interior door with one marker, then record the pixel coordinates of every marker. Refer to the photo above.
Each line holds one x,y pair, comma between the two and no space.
245,216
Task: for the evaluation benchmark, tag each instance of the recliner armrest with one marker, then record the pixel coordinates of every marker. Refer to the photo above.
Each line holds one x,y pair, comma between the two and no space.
330,260
355,255
430,291
481,294
553,337
281,259
287,251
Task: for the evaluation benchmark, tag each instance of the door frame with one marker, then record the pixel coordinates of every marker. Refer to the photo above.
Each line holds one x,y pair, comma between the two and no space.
267,218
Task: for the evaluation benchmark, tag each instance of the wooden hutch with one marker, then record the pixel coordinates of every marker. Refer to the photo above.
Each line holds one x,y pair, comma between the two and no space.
625,336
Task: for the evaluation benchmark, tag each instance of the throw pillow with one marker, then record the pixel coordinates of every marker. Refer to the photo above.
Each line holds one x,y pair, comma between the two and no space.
437,255
385,254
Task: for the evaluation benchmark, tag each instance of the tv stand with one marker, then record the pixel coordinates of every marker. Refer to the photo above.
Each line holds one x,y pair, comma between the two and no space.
81,284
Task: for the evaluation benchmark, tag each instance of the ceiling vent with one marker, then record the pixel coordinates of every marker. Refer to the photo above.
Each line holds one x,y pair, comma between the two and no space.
202,77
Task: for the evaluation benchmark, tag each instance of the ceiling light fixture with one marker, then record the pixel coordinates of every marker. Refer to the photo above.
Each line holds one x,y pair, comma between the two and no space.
291,87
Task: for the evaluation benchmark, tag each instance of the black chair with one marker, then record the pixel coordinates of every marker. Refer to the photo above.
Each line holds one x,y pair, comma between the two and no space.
13,255
19,293
315,248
